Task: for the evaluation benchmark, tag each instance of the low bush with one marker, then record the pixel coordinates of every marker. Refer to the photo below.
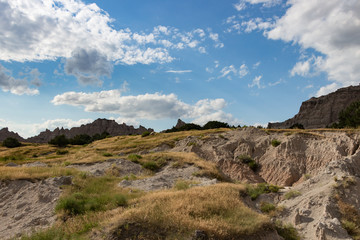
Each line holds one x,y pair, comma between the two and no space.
60,141
267,207
256,190
151,165
145,134
275,143
11,143
249,161
134,158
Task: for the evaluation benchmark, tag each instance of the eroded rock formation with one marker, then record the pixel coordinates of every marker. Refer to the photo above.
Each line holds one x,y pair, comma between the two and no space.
322,111
5,133
97,127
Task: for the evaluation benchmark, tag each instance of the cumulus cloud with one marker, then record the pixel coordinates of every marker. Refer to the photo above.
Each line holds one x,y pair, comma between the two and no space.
327,89
146,106
16,86
88,66
332,28
36,30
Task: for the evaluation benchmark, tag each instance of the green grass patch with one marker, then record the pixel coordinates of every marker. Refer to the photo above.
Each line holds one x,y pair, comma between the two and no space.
90,194
134,158
275,143
245,159
254,191
267,207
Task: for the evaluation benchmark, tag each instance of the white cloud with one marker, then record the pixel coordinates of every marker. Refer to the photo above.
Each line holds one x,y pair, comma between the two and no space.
332,28
327,89
241,5
147,106
256,65
179,71
37,30
301,68
217,116
17,86
26,130
88,66
241,72
256,82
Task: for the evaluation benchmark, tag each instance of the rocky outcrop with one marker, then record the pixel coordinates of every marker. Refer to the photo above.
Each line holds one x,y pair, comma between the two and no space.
5,133
180,123
97,127
322,111
298,154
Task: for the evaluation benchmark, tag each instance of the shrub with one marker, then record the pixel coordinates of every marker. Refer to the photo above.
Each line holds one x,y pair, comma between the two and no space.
275,142
107,154
151,165
134,158
350,116
215,124
60,141
267,207
81,139
145,134
11,143
249,161
291,194
256,190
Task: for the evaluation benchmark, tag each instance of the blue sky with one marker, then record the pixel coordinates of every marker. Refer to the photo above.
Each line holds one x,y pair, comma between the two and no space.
67,62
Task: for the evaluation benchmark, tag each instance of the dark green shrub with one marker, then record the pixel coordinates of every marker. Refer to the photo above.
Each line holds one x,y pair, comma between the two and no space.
60,141
215,124
256,190
151,165
100,136
249,161
145,134
350,116
11,143
275,142
81,139
72,205
134,158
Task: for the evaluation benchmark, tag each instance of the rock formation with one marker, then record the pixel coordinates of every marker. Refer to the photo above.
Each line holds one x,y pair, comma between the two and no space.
322,111
5,133
97,127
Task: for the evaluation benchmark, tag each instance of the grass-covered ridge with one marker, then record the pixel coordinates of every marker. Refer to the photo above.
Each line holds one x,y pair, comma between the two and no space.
218,210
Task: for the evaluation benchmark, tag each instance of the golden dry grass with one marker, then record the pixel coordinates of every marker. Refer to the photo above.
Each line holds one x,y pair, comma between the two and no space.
14,173
217,210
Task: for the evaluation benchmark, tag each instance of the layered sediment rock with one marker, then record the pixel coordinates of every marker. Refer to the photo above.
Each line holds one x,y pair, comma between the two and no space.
322,111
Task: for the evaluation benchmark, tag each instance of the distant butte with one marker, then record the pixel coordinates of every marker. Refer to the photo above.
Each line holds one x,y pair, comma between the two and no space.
97,127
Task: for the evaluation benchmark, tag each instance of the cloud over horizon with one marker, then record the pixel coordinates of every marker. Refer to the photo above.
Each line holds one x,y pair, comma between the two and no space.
146,106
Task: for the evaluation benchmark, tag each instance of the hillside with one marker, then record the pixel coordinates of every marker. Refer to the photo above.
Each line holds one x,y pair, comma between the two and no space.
243,183
322,111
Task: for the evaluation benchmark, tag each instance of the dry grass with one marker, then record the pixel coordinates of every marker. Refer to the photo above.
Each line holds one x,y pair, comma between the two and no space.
14,173
218,210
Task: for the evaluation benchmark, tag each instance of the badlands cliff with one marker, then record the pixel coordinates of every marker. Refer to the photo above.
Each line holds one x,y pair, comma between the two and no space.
322,111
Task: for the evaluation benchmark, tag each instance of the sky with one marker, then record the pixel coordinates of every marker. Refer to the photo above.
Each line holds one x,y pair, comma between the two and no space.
64,63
